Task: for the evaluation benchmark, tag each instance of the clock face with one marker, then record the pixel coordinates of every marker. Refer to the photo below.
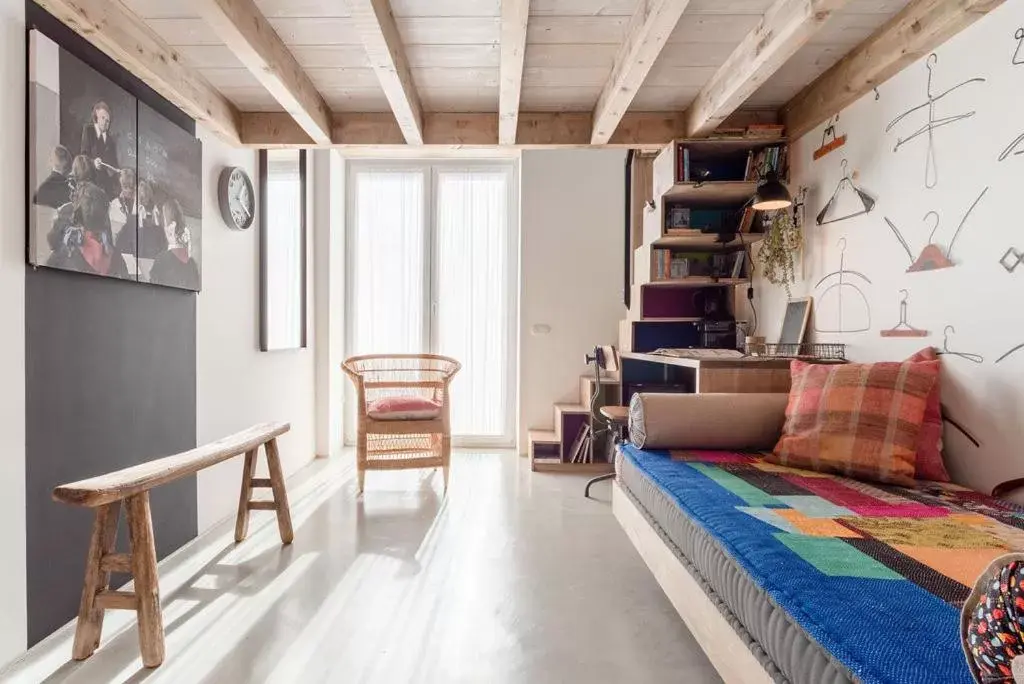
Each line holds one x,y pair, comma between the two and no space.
239,197
238,204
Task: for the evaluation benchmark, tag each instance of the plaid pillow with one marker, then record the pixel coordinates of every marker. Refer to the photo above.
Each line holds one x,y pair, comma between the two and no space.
858,420
929,441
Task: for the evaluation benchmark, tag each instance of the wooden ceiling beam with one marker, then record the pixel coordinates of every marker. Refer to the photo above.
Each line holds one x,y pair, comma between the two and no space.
379,34
514,17
252,39
649,29
914,32
128,40
649,130
784,29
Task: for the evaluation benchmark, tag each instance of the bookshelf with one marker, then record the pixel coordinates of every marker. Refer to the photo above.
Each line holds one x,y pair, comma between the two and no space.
711,192
699,281
692,268
709,241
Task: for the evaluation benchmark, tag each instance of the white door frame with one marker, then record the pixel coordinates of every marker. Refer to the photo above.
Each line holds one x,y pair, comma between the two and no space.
430,168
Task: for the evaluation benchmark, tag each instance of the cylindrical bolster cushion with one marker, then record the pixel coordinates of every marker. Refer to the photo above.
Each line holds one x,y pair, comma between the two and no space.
706,421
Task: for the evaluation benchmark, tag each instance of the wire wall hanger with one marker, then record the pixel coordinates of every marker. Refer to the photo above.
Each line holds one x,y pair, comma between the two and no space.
1018,58
932,258
931,167
866,200
829,140
956,424
974,358
859,309
903,329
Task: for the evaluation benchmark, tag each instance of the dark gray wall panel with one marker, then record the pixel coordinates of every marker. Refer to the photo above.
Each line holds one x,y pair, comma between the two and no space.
110,383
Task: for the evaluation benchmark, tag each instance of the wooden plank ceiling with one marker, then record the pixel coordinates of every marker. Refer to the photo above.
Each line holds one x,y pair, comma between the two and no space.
453,52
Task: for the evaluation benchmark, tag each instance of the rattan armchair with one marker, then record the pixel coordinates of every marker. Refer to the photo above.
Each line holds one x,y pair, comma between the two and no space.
384,443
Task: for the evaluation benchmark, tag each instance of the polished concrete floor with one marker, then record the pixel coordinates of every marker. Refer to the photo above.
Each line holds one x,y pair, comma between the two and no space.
513,577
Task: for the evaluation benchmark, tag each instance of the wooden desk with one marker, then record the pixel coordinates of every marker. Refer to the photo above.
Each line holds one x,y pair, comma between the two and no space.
657,373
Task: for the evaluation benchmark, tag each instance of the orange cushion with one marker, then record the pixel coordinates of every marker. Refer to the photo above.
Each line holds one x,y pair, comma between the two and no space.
857,420
929,442
404,407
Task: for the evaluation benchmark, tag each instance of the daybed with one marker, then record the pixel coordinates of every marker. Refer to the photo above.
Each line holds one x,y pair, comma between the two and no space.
788,575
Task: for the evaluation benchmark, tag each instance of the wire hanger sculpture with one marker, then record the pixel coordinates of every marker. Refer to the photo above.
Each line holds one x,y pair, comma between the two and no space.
974,358
932,258
1019,37
842,283
845,182
1012,351
904,329
931,168
829,141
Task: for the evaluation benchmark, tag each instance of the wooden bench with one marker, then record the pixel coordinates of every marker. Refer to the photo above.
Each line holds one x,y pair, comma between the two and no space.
131,485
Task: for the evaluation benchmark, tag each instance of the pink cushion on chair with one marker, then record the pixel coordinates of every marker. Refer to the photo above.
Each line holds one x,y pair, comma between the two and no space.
404,407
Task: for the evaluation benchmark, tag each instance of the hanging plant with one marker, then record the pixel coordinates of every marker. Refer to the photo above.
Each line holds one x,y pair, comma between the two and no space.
782,241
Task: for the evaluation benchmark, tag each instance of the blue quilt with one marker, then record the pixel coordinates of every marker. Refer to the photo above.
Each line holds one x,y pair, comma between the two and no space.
875,574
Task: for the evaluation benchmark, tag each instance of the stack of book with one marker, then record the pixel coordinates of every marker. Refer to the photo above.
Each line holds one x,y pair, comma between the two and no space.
747,220
670,267
765,131
683,160
767,159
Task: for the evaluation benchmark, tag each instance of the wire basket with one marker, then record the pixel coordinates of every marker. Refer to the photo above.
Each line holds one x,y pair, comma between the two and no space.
829,351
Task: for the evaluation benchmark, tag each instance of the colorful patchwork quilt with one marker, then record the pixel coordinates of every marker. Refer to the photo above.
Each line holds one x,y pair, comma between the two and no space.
876,574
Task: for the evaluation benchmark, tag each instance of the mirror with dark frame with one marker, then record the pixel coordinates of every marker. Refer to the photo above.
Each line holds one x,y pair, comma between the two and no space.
283,208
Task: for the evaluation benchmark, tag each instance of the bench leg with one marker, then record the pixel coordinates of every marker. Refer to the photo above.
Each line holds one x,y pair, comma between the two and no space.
284,514
248,471
275,483
147,587
90,615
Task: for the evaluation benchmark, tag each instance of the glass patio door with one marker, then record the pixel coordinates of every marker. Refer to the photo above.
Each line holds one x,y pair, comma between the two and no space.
432,268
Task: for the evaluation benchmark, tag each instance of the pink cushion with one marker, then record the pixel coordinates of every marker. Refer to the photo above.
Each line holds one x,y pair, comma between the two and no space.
404,407
929,465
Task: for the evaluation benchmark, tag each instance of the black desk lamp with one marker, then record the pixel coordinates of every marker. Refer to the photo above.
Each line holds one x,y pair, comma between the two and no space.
771,194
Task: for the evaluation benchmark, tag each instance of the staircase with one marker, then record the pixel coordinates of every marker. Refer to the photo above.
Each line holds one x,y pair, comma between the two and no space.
550,449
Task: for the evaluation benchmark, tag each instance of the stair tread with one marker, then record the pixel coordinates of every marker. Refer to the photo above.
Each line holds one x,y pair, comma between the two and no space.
542,436
606,379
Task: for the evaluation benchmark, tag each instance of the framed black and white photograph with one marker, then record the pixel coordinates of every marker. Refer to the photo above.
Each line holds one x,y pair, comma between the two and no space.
282,220
115,188
170,237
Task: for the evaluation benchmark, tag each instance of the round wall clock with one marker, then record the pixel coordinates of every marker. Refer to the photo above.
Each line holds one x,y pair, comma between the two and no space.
237,200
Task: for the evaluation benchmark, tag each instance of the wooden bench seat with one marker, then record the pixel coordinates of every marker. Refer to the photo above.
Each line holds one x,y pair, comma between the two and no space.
105,493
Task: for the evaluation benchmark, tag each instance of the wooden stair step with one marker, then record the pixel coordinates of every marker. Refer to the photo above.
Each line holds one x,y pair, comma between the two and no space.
541,438
561,410
554,466
606,378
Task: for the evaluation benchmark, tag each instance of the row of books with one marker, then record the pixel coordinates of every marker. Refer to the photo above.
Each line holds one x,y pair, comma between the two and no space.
751,132
767,159
675,266
679,224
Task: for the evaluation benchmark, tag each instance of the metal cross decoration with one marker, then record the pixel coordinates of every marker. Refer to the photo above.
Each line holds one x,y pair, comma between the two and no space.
1012,259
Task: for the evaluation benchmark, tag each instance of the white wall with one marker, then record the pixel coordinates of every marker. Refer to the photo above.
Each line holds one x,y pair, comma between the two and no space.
327,233
572,223
239,385
12,343
977,296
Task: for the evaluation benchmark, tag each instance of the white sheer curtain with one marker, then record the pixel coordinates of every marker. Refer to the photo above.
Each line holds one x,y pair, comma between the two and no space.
472,294
388,271
431,263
